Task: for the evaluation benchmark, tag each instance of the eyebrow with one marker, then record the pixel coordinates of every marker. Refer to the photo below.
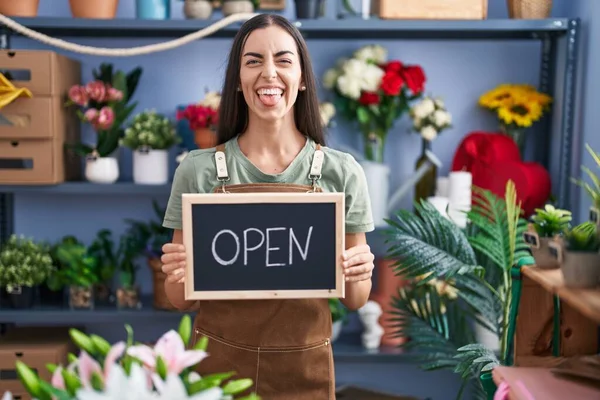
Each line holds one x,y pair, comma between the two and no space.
278,54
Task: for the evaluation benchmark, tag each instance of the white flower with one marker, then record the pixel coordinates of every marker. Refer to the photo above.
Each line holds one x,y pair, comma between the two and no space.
349,87
330,77
428,133
7,396
441,118
212,100
372,77
439,103
425,107
327,111
374,53
173,389
120,386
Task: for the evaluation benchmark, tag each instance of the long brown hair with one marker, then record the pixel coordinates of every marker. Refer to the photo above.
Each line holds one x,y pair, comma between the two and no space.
233,110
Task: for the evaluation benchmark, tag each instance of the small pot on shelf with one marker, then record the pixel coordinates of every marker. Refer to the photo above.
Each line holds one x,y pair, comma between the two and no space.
197,9
205,138
19,8
81,297
21,297
94,9
578,256
230,7
129,298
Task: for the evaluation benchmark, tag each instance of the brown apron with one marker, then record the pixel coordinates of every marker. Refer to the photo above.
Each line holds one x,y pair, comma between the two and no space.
283,345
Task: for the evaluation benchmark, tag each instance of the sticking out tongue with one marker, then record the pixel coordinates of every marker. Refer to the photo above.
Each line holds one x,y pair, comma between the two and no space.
270,99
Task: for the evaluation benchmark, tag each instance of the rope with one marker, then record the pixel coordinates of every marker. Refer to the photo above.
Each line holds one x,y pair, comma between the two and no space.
121,52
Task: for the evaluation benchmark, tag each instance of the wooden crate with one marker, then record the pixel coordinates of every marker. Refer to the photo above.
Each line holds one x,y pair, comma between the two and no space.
33,131
430,9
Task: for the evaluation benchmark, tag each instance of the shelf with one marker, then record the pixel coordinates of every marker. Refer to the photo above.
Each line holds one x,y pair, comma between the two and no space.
586,301
541,383
351,28
89,188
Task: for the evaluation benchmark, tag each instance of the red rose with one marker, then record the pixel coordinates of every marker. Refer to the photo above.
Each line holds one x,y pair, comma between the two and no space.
393,66
369,98
391,83
415,78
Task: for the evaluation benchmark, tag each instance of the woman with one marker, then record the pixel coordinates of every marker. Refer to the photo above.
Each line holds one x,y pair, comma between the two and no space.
269,130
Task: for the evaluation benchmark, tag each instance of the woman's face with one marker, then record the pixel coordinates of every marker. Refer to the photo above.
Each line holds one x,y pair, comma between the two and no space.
270,74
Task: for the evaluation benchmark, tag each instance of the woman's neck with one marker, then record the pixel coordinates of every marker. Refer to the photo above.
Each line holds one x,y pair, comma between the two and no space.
274,138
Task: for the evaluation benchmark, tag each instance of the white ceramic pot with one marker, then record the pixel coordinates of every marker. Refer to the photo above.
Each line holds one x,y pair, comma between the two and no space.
102,170
486,337
581,269
336,329
197,9
378,180
151,167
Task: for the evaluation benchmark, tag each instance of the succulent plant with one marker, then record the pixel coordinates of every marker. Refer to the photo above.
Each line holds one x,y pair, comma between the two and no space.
150,130
583,237
551,221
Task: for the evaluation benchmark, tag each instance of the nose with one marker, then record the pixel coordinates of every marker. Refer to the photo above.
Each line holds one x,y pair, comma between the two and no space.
269,71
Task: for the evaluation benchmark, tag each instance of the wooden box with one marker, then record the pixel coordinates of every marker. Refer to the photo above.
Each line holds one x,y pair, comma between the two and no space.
36,347
33,131
430,9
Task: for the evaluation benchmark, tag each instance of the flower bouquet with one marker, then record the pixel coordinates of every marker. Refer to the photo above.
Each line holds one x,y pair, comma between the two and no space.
128,370
104,104
517,107
430,118
202,119
374,92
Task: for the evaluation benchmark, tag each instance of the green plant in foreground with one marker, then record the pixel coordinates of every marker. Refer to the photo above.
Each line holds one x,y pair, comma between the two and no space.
551,221
583,237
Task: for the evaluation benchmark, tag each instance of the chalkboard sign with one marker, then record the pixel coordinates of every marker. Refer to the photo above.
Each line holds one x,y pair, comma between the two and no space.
263,245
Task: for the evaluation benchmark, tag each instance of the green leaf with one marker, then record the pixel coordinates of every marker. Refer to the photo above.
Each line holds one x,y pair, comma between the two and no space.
185,329
237,386
362,115
30,381
57,394
72,382
202,343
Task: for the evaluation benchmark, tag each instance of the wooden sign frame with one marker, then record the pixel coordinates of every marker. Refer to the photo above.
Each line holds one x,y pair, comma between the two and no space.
189,199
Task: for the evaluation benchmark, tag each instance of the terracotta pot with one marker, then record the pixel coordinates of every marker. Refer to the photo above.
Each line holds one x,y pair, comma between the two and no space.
205,138
95,9
19,8
231,7
387,285
529,9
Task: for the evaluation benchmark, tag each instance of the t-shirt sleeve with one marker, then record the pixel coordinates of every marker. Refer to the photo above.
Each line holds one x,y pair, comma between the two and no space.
184,181
359,217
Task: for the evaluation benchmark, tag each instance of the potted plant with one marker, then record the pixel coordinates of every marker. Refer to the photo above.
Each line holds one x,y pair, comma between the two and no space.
77,270
134,370
374,92
150,136
338,317
153,9
95,9
128,292
24,265
577,254
197,9
102,249
546,224
21,8
230,7
150,237
202,121
104,104
593,190
309,9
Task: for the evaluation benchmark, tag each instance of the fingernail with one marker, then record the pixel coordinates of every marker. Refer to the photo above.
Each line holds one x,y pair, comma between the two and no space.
344,254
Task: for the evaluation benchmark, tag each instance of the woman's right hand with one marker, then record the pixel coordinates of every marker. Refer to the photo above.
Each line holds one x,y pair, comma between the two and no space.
173,260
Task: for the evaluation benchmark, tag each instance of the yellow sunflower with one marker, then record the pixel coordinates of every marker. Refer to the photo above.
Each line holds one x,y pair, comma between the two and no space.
522,112
497,97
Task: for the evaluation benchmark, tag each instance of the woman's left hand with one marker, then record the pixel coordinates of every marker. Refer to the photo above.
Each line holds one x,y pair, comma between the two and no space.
358,263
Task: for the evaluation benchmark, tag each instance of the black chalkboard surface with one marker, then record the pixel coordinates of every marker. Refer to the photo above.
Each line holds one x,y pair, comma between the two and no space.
263,245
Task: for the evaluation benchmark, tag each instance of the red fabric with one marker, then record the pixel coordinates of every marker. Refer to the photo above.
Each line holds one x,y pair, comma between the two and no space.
493,159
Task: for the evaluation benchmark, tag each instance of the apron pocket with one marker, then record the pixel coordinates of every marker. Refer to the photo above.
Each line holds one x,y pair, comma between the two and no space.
302,373
225,357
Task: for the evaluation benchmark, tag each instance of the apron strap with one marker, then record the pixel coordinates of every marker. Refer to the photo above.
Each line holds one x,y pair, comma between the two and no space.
316,166
221,164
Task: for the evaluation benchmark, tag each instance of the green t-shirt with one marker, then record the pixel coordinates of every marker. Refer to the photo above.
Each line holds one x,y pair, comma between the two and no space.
340,173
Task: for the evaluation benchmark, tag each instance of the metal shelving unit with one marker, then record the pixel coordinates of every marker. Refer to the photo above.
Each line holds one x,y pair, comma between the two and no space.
559,40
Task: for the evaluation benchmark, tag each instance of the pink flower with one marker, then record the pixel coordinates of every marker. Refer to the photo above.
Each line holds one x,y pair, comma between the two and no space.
171,349
96,90
78,95
57,380
91,115
114,94
87,365
106,117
